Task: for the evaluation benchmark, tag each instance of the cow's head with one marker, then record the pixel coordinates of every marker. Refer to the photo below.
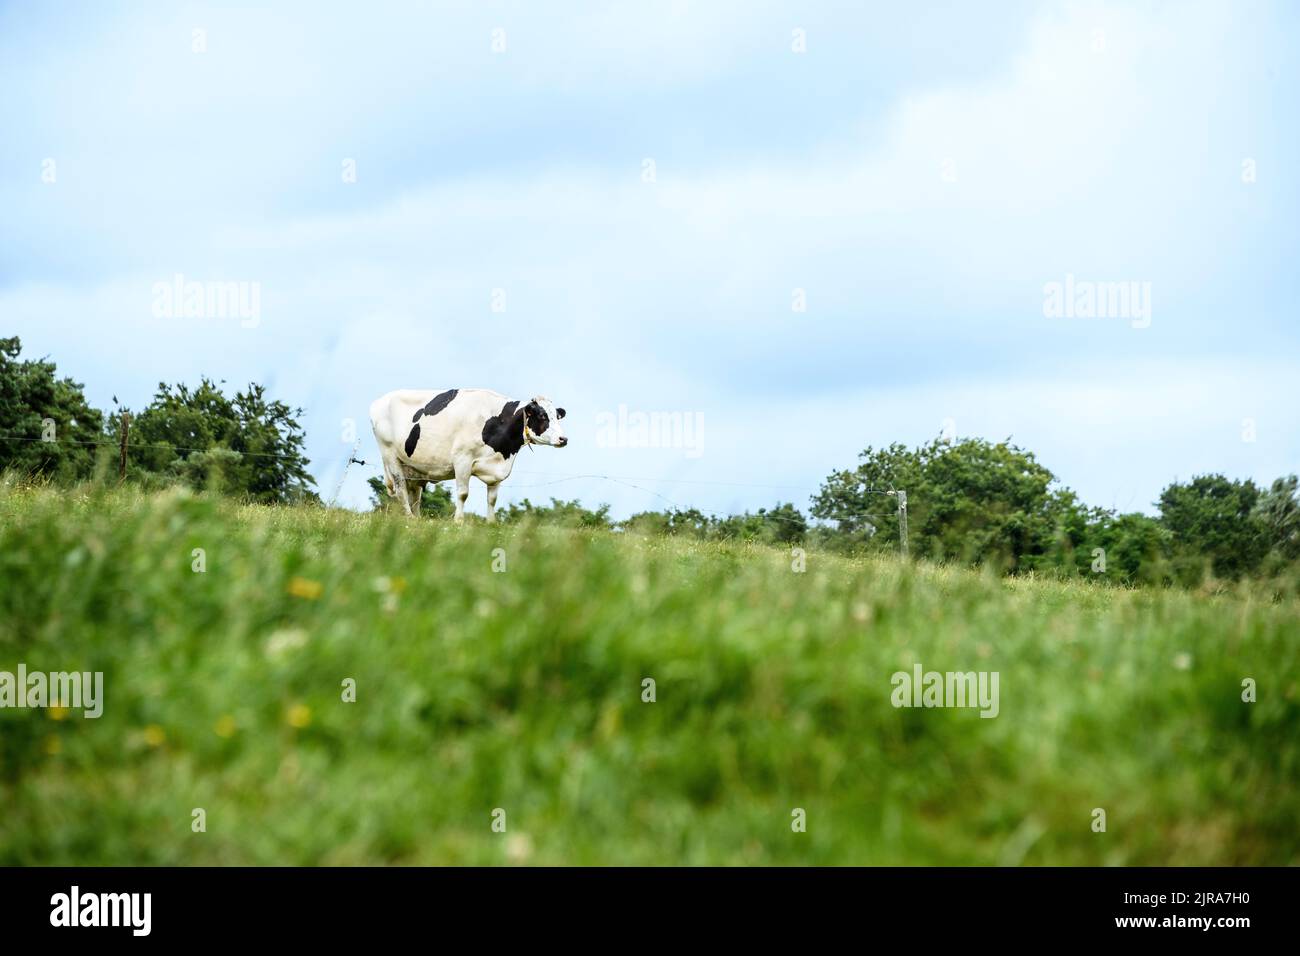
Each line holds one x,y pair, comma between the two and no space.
542,419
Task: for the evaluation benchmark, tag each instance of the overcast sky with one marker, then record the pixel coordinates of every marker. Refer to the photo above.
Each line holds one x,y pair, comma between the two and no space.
644,188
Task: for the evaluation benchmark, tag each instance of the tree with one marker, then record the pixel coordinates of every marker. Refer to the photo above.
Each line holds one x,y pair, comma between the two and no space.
779,525
1278,510
434,501
1136,547
783,524
857,501
568,513
46,425
972,501
688,521
1213,519
246,444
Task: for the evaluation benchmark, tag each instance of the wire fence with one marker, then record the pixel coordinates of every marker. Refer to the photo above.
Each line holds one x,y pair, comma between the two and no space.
135,446
125,447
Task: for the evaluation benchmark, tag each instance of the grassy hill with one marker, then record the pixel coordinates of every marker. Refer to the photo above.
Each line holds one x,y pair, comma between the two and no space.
522,690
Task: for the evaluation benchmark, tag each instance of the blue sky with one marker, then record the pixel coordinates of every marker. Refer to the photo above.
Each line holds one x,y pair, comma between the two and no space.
921,171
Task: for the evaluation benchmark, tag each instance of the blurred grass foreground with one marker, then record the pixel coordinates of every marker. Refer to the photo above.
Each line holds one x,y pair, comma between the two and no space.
301,685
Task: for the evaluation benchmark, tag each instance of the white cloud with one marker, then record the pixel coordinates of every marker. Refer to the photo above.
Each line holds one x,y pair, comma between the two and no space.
924,294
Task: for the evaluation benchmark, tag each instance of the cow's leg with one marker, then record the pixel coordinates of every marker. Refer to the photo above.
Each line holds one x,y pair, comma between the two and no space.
415,489
398,486
390,471
492,488
462,488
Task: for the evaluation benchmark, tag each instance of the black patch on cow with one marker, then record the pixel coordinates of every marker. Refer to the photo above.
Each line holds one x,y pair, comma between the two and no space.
504,432
559,413
435,405
412,440
538,420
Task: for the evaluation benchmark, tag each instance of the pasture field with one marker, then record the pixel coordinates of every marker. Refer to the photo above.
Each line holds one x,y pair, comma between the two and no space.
522,690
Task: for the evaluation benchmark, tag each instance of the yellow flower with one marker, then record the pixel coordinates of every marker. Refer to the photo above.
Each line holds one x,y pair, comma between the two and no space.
154,736
53,745
306,588
398,584
58,713
299,715
225,726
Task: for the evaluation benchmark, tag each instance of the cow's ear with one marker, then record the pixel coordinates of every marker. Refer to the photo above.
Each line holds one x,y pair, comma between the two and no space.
559,413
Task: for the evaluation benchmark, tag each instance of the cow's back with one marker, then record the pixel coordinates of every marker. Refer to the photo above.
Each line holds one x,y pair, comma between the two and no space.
426,427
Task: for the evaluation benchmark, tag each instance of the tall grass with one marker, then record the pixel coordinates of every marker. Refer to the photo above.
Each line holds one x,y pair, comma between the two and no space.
522,690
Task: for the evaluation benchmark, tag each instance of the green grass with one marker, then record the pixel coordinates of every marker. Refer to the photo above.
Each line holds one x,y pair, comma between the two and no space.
522,690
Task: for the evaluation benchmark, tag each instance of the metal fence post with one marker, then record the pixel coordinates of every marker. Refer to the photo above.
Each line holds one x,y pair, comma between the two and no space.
126,428
902,522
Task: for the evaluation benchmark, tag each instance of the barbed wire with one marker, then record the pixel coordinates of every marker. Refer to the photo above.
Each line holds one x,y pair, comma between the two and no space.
134,446
565,476
559,477
562,476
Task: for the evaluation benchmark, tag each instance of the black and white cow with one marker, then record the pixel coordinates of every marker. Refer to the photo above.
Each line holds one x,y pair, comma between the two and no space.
428,436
